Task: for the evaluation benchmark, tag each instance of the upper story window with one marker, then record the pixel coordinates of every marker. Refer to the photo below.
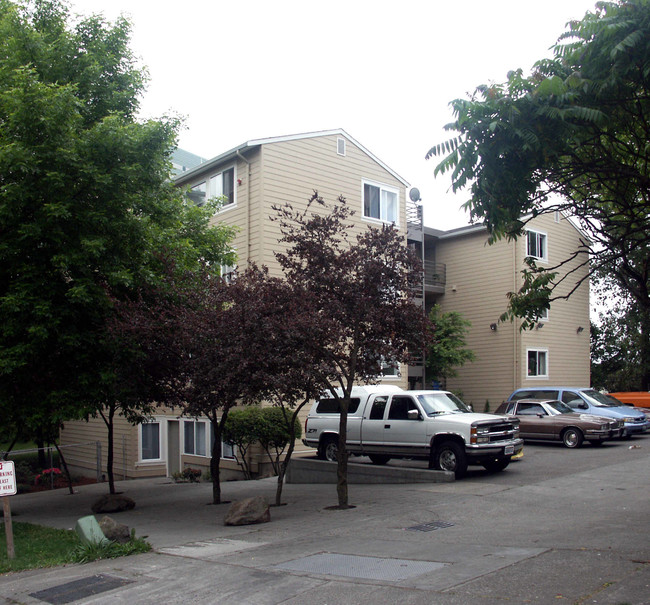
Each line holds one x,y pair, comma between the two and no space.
221,185
380,202
537,363
536,245
542,315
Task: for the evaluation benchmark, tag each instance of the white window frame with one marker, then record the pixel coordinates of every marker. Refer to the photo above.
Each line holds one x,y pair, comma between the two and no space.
228,272
214,192
540,236
161,442
394,374
538,351
382,214
544,316
227,450
198,425
201,187
211,191
340,146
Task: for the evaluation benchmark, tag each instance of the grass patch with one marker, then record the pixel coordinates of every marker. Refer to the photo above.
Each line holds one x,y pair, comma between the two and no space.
37,546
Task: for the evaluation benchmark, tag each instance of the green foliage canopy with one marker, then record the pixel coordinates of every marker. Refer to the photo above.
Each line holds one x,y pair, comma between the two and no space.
573,137
447,350
86,206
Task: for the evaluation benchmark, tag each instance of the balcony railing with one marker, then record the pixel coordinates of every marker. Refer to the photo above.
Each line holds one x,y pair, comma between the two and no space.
435,274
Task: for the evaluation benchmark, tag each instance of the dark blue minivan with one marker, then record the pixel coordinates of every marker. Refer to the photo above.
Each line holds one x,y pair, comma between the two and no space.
589,401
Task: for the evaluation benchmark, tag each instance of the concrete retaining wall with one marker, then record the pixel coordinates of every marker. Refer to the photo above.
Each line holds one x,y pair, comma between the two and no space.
304,470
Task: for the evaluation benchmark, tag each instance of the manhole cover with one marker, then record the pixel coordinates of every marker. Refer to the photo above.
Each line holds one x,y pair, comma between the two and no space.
429,526
79,589
353,566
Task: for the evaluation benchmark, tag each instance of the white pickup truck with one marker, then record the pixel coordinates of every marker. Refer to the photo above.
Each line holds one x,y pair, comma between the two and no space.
387,422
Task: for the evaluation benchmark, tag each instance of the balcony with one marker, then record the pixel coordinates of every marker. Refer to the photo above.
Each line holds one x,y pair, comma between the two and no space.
435,277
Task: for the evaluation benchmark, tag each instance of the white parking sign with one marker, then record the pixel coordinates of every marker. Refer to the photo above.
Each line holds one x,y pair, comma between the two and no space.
7,478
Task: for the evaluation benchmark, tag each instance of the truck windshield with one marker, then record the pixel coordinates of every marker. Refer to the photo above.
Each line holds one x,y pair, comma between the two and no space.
441,403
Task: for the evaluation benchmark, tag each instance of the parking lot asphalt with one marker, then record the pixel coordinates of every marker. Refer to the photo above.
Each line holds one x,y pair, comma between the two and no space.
558,526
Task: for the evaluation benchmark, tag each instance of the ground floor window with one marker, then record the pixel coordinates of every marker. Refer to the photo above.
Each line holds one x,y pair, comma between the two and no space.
195,440
150,441
537,363
390,369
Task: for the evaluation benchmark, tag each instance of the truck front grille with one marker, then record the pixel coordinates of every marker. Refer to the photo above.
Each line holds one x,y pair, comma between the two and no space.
504,431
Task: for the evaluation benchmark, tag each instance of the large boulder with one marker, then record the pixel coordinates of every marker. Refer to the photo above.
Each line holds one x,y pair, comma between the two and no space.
114,531
113,503
248,512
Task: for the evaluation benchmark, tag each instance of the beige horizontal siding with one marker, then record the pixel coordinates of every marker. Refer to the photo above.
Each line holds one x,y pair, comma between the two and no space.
568,350
483,275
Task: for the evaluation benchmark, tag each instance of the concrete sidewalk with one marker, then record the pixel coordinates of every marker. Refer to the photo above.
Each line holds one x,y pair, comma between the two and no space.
489,539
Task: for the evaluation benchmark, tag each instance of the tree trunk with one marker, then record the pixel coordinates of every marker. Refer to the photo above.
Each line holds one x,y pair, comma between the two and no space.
65,468
215,460
40,445
11,447
342,456
645,348
282,471
110,453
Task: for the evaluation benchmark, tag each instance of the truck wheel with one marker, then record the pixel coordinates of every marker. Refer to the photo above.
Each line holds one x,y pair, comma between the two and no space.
449,456
378,459
496,466
572,437
330,449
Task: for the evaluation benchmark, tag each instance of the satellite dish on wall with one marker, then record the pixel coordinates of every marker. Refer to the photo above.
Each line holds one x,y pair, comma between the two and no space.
414,194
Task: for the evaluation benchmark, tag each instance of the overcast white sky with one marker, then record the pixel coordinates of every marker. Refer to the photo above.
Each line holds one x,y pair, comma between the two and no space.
383,71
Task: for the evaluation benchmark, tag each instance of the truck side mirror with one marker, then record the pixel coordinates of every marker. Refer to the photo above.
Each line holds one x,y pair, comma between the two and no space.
413,415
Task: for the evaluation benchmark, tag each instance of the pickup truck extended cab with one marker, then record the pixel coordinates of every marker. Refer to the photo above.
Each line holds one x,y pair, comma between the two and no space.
387,422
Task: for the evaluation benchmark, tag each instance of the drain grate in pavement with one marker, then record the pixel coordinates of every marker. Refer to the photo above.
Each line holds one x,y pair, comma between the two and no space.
78,589
353,566
429,526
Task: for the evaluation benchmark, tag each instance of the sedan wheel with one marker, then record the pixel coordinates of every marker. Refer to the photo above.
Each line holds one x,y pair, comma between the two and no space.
572,437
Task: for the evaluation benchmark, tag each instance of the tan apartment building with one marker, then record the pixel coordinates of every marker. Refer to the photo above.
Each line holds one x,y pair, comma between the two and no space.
252,177
464,273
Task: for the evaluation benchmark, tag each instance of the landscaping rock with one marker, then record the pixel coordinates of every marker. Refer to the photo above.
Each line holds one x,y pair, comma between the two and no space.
114,531
113,503
248,512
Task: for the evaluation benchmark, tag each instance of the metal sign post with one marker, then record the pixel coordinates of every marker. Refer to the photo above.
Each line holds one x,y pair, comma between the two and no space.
8,488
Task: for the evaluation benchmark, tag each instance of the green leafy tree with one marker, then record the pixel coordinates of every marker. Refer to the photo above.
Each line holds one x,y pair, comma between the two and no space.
447,349
570,138
276,433
242,429
615,339
86,205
